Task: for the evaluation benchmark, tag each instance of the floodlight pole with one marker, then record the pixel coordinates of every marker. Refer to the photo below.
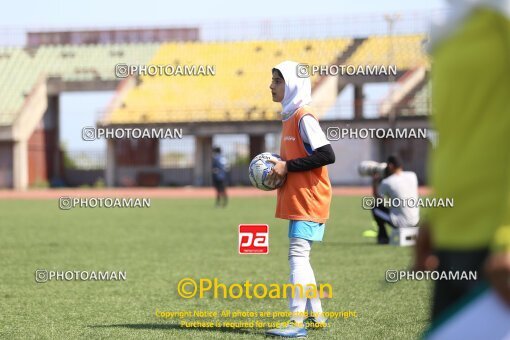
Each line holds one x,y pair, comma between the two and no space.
391,19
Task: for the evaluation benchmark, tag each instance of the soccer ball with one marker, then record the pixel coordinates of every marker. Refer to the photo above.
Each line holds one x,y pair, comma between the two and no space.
259,170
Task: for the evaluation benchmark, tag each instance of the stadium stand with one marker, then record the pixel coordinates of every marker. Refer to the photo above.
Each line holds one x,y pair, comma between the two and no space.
238,91
20,68
404,51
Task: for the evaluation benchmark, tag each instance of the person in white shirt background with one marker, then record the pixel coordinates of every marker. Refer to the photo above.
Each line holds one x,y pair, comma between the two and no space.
399,185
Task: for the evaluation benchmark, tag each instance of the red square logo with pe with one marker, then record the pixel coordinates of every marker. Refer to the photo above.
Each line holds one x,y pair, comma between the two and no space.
253,239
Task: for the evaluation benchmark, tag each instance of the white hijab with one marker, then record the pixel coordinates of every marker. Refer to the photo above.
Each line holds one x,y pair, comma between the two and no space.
298,91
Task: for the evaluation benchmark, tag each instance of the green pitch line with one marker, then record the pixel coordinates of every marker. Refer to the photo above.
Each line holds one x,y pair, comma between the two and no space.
178,238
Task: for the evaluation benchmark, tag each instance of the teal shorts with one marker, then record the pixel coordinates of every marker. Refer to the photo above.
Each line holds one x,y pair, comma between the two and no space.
311,231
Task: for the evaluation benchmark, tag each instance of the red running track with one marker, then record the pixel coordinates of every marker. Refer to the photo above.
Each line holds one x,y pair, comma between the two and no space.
186,192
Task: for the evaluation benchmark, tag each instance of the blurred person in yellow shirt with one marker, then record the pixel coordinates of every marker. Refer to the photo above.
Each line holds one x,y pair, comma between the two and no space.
471,162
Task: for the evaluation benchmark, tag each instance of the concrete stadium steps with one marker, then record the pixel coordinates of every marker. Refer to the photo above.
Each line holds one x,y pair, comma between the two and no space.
350,50
401,97
345,56
419,102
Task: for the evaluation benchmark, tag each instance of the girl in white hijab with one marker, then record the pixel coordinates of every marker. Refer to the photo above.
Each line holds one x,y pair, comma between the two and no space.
305,196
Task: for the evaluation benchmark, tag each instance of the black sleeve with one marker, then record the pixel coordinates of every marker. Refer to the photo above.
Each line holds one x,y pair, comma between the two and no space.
320,157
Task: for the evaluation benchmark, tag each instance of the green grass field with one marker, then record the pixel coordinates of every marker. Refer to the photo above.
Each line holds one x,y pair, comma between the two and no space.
178,238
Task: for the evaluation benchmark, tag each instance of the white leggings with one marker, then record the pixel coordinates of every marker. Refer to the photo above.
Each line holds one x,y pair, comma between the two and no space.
301,272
